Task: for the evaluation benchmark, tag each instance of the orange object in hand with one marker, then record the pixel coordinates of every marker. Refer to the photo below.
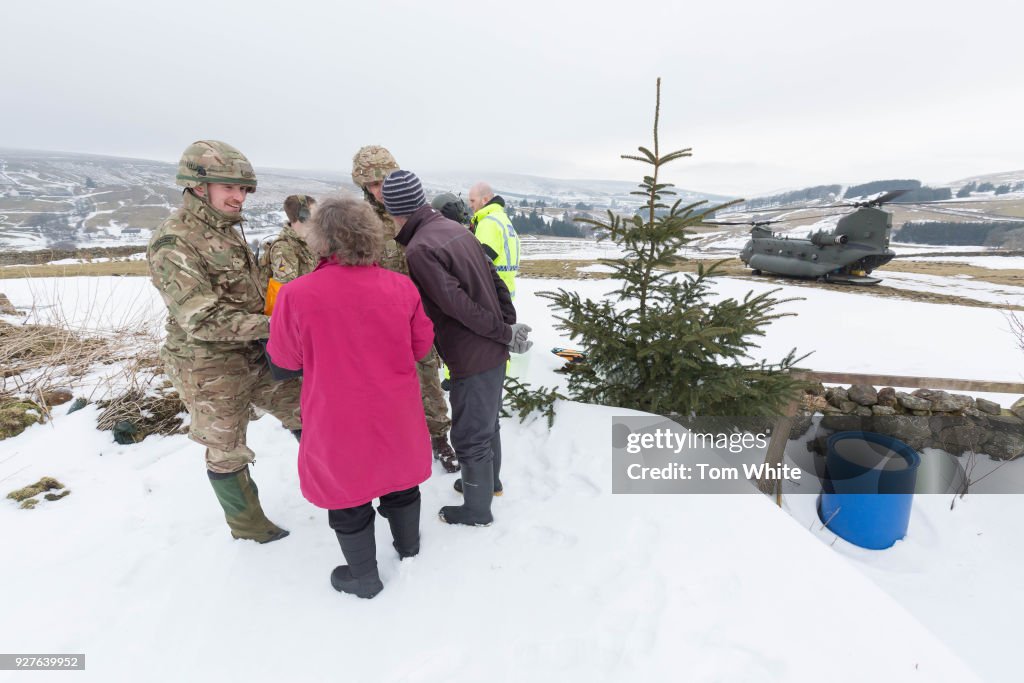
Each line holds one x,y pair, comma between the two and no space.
273,287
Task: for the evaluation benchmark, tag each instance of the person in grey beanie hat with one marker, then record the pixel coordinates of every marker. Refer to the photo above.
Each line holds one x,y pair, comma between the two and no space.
474,329
402,193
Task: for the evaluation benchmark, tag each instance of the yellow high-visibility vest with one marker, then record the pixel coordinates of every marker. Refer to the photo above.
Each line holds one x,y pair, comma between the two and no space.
495,230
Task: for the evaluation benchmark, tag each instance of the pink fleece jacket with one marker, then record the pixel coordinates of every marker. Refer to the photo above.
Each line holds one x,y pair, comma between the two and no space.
356,333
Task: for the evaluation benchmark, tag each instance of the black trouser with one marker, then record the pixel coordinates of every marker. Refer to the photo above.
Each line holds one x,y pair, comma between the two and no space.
354,520
476,405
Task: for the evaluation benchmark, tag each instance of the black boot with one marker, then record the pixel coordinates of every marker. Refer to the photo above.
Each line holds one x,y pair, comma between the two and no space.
444,454
496,449
405,527
359,577
458,487
478,482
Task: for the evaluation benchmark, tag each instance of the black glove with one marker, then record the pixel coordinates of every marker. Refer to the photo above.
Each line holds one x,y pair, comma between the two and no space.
276,371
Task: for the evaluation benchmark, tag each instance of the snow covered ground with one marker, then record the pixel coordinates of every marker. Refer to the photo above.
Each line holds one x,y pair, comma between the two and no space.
993,262
936,249
141,256
88,303
959,285
567,248
136,569
596,268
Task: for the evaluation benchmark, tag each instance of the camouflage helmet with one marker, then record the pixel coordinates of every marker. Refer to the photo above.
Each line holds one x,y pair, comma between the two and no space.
212,161
371,164
451,207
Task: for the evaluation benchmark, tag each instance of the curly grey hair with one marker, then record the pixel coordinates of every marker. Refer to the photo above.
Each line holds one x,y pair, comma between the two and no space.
346,228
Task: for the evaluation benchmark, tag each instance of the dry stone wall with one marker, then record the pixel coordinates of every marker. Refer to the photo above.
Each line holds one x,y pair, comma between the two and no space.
925,418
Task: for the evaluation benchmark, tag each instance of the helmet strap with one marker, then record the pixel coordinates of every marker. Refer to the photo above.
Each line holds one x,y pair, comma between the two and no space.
372,199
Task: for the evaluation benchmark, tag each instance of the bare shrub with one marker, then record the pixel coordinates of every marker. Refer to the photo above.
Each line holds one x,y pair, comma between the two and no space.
134,415
145,402
77,335
37,358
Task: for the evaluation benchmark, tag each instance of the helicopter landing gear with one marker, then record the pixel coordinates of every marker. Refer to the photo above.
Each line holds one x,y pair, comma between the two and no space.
854,278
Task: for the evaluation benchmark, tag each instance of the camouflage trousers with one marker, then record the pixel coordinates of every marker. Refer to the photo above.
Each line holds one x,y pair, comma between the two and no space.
434,405
219,396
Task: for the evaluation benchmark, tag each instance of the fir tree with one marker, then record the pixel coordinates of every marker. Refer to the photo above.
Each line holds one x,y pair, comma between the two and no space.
658,343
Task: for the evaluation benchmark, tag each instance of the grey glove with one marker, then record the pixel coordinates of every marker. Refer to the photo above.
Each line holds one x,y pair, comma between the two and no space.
519,342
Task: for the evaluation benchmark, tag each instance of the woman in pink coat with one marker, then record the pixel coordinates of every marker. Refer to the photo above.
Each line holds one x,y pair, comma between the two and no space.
356,331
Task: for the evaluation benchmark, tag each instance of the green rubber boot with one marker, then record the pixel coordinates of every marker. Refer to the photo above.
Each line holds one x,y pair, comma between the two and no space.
238,495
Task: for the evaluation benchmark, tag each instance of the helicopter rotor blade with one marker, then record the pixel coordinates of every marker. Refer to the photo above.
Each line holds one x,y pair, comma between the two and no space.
851,204
738,222
883,199
771,221
781,209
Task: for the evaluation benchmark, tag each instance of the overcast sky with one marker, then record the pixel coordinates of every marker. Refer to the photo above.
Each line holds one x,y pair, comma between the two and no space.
770,95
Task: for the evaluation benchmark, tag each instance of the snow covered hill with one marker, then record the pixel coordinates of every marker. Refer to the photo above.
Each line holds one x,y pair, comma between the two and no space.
1011,177
572,583
50,199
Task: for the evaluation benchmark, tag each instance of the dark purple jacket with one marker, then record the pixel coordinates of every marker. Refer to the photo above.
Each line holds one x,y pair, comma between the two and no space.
462,294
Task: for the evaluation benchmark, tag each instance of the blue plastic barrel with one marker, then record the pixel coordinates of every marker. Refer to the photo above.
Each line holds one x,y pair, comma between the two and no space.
868,488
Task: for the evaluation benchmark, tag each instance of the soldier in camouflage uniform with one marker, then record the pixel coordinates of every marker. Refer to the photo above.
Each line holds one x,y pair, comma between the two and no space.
209,279
286,256
370,166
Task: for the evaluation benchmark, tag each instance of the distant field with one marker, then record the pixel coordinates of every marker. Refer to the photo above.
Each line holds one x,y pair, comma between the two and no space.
109,268
43,256
901,213
29,205
1010,277
131,215
957,211
110,198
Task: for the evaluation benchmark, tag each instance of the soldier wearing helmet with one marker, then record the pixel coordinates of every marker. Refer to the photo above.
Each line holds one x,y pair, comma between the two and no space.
209,280
286,256
370,166
451,207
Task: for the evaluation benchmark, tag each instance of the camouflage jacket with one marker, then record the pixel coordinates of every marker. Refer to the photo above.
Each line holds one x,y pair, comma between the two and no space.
393,257
210,282
286,257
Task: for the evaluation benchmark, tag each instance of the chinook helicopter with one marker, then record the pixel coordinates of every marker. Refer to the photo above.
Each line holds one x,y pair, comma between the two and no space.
857,245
